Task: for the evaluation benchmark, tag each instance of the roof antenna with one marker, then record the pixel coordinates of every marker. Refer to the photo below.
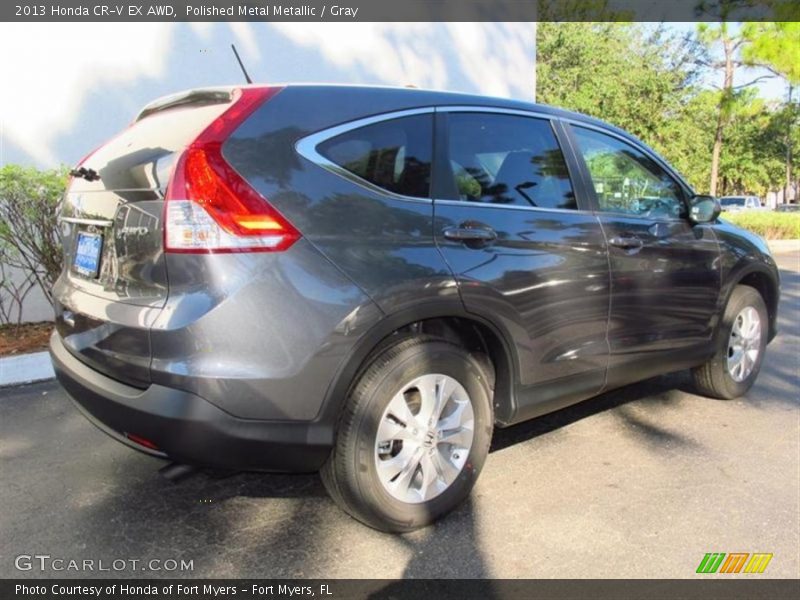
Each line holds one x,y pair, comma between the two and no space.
246,76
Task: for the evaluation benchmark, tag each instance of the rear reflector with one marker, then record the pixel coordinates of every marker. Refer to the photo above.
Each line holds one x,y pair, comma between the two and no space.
210,208
141,441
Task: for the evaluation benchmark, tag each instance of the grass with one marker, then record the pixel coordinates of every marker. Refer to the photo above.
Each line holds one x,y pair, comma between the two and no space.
769,225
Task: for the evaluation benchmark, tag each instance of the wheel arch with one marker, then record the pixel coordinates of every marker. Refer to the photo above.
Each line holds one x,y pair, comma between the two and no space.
445,320
765,283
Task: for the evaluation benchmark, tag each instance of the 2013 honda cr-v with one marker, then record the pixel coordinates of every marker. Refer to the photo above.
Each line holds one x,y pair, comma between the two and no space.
366,281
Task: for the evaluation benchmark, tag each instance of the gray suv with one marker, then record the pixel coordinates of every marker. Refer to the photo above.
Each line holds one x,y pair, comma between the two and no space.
366,281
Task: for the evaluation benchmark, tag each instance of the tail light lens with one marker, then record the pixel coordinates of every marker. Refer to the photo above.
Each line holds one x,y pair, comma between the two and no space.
210,208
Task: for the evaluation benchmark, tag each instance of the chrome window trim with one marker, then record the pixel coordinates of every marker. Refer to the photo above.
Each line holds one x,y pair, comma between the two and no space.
618,214
468,203
79,221
499,110
307,148
601,213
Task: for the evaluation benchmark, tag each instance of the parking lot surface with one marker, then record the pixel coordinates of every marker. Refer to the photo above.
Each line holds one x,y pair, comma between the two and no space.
640,482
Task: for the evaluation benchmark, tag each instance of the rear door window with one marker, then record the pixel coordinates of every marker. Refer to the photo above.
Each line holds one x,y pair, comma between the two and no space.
507,159
394,155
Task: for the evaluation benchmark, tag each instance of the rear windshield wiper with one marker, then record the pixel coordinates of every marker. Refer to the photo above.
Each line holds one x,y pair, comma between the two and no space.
84,173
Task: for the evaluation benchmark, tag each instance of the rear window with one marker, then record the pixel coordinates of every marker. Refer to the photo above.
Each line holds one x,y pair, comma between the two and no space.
157,136
394,155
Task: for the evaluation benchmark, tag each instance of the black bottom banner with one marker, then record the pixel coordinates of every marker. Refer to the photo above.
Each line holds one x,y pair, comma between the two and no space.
336,589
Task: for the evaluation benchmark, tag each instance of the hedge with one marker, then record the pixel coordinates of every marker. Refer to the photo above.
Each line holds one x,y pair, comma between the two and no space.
769,225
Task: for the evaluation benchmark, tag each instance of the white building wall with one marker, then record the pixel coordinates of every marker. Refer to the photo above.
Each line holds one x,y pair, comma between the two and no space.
74,85
69,87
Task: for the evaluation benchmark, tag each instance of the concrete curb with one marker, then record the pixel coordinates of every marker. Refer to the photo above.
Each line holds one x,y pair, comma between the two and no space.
783,246
26,368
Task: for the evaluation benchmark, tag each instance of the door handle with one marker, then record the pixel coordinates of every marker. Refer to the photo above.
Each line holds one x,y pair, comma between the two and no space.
626,242
470,233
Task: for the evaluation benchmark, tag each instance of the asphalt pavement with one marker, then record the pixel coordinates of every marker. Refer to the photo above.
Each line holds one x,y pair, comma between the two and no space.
640,482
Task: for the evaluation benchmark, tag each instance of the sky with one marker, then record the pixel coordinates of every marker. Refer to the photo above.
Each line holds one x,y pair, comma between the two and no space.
774,88
72,86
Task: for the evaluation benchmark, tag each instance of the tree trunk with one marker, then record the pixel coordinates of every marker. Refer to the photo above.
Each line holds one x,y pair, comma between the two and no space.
725,99
715,154
789,149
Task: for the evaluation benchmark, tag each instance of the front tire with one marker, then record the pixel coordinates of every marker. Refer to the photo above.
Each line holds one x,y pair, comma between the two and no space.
733,369
413,436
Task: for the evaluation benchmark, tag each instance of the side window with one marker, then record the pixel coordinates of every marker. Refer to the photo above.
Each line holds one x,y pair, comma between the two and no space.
507,159
627,180
394,155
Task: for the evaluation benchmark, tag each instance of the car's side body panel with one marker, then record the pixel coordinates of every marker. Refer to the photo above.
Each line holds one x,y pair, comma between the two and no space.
544,279
258,334
547,285
665,293
383,243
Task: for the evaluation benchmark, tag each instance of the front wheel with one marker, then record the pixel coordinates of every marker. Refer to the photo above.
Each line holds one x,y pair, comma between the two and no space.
733,370
413,436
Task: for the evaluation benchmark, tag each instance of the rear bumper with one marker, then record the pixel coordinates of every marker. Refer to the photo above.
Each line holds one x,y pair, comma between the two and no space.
186,428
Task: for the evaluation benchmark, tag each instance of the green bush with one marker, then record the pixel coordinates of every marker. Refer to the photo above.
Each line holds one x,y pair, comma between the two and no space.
30,247
769,225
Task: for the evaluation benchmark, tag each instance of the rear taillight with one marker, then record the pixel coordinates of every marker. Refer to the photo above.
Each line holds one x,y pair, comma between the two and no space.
209,207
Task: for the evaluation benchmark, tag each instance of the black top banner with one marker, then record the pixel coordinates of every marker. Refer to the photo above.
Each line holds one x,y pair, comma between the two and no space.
400,10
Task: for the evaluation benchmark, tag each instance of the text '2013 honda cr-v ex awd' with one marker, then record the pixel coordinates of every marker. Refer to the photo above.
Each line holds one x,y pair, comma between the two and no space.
366,281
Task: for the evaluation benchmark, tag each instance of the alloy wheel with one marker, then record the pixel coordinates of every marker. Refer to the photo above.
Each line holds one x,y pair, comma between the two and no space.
424,438
744,344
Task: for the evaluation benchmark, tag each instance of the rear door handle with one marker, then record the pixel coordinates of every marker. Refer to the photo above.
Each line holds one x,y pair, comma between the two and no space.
470,233
626,242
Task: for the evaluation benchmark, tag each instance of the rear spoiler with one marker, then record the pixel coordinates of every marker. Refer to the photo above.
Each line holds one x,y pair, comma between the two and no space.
190,97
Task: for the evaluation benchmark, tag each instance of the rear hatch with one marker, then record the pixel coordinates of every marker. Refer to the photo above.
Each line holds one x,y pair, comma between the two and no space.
114,281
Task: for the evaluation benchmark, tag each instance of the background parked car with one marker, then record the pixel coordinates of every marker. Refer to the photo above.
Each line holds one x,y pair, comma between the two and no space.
788,208
734,203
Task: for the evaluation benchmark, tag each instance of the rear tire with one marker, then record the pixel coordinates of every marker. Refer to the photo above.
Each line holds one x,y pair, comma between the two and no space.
733,369
397,465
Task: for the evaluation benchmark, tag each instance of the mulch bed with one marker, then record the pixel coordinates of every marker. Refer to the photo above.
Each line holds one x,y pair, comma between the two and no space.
27,337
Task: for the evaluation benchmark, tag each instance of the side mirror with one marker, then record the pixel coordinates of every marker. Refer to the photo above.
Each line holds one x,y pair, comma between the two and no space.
703,209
